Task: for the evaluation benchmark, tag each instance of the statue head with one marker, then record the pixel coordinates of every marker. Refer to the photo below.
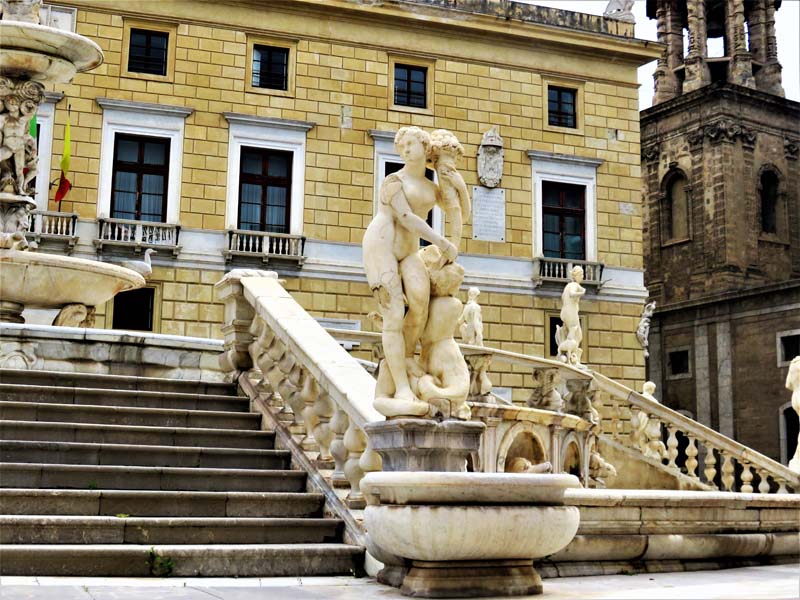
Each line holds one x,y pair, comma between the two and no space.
649,388
404,134
577,274
473,293
445,278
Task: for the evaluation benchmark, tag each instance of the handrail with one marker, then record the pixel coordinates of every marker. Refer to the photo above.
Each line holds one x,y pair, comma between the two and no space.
129,232
729,449
267,245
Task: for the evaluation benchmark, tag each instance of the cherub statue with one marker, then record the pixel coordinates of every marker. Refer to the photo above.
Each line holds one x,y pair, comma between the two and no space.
14,126
75,315
621,10
20,10
643,330
446,381
445,153
546,394
600,469
470,323
570,335
793,384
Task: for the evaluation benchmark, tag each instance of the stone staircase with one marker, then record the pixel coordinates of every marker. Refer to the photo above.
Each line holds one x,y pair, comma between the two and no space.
104,475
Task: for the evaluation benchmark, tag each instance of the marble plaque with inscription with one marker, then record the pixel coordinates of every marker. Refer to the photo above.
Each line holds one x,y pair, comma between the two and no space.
488,214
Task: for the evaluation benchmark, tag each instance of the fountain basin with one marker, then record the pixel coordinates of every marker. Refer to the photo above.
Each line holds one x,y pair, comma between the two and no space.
448,535
39,53
38,280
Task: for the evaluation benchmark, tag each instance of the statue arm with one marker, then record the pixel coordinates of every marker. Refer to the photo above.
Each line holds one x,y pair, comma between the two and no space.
393,195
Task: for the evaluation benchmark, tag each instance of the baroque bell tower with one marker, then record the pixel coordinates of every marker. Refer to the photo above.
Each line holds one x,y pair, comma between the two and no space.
721,217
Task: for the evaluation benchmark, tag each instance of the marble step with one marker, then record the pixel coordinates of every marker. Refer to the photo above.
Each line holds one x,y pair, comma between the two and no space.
116,382
148,503
219,560
153,456
83,477
115,415
132,434
13,392
26,529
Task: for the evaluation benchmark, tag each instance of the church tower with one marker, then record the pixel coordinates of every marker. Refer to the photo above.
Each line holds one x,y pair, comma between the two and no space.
721,214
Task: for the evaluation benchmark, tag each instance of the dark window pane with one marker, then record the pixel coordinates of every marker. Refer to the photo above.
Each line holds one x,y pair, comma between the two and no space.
251,162
140,175
271,67
147,52
410,85
573,196
563,216
134,310
790,347
264,196
553,345
769,202
678,362
154,154
561,107
278,166
127,150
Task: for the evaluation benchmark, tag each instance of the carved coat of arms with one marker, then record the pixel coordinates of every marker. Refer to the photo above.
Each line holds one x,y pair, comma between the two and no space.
490,159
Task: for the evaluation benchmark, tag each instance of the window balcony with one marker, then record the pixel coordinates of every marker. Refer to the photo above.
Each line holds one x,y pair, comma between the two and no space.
52,226
557,270
264,245
138,235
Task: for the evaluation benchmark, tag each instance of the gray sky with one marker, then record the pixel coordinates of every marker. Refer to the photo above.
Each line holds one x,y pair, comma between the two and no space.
787,27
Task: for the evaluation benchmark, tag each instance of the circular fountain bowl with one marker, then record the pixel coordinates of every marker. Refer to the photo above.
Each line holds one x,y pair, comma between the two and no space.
51,281
30,51
431,516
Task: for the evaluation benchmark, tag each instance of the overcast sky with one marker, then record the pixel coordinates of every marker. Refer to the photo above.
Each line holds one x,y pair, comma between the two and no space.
787,27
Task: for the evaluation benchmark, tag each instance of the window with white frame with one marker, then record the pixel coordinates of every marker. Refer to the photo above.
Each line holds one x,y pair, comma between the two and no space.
263,138
388,161
555,173
44,142
159,122
788,346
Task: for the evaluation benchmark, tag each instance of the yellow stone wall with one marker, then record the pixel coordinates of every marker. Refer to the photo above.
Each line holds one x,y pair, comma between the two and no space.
480,81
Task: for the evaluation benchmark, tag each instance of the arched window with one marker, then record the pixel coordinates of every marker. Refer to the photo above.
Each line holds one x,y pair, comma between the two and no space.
768,191
676,214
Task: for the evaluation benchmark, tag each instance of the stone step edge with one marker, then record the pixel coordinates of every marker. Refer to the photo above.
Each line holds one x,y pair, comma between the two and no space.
110,378
198,471
103,520
129,409
21,387
166,494
136,428
88,446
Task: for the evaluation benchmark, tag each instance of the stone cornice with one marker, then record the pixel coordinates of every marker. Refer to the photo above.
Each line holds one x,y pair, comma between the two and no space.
379,134
291,124
565,158
722,130
53,97
167,110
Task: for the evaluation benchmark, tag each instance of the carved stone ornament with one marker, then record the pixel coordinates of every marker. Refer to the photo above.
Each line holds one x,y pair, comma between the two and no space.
791,148
620,10
643,330
650,153
490,159
723,130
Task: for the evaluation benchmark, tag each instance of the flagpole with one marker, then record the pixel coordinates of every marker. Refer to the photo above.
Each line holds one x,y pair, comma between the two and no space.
63,189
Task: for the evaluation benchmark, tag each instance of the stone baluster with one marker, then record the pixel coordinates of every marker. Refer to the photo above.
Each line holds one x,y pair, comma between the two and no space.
747,478
782,486
616,414
728,478
355,440
338,425
309,415
370,460
323,410
672,446
710,470
763,484
691,458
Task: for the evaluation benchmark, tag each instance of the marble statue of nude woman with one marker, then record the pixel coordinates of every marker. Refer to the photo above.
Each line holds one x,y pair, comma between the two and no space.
395,272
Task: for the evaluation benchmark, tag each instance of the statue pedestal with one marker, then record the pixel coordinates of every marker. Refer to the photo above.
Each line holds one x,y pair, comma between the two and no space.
424,445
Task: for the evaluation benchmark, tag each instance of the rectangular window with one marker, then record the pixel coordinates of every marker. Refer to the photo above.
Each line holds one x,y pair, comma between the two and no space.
410,85
790,347
140,178
265,183
270,67
147,52
134,310
678,363
561,111
563,220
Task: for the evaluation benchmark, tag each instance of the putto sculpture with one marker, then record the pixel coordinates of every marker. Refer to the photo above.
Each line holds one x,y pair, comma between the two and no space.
646,434
470,323
621,10
569,335
793,384
403,278
643,329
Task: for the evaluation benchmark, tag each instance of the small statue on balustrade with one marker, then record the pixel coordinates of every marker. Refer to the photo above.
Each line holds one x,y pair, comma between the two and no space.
643,330
793,384
470,323
600,470
403,279
570,335
545,394
646,434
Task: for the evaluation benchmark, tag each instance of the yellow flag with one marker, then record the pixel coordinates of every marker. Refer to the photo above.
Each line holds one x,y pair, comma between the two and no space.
64,184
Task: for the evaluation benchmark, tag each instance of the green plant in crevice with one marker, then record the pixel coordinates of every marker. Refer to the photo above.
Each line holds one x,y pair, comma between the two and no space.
157,565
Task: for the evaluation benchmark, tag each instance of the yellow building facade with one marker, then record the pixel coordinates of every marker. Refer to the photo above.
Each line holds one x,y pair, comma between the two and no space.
345,85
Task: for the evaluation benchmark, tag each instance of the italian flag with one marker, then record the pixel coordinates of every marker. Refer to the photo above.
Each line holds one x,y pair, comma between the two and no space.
64,185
